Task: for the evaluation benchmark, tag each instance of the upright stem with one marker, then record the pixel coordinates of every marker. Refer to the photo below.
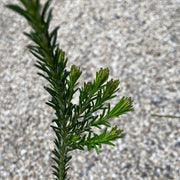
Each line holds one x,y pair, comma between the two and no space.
63,155
52,61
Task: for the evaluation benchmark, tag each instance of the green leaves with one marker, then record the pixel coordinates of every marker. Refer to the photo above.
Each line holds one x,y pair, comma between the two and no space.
75,122
124,105
104,138
93,110
101,76
75,73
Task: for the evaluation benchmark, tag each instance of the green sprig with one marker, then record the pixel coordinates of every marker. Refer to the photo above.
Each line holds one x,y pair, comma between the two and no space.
74,123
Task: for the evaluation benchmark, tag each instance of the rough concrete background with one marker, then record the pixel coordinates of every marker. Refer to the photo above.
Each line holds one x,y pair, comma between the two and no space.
139,41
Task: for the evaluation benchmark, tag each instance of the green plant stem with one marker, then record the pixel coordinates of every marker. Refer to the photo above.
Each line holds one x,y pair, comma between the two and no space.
168,116
63,155
46,52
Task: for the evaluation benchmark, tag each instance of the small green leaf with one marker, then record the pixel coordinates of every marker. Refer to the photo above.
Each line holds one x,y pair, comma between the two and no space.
46,6
19,10
95,147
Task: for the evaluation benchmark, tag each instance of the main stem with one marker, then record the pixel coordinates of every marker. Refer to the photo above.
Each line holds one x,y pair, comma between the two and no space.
62,159
45,43
63,149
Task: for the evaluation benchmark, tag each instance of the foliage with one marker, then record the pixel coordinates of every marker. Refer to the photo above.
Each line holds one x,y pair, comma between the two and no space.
73,125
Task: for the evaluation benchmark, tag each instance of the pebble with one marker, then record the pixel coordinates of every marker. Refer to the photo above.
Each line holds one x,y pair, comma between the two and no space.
23,151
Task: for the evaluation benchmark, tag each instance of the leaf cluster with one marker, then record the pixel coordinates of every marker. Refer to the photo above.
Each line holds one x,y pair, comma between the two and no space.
94,111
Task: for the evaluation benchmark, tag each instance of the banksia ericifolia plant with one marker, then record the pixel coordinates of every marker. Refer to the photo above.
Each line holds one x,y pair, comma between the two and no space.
74,123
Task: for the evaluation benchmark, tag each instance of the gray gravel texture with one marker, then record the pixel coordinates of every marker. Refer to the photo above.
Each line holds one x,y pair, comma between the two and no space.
139,41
